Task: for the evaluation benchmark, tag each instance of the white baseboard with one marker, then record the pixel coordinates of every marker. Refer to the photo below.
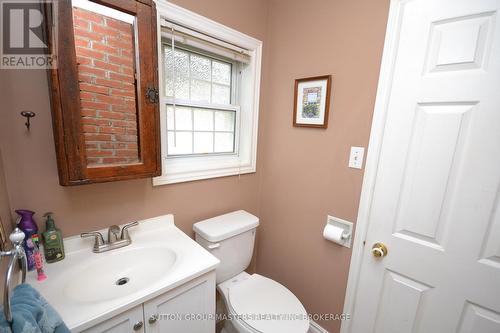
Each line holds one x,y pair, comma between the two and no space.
314,327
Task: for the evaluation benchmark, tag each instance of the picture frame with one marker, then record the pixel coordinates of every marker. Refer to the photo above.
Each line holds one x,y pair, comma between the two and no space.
312,101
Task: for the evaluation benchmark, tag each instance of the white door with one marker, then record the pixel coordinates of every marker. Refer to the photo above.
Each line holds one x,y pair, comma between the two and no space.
434,200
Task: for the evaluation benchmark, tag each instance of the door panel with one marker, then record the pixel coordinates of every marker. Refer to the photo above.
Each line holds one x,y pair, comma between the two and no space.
434,148
187,309
478,319
435,203
490,253
401,300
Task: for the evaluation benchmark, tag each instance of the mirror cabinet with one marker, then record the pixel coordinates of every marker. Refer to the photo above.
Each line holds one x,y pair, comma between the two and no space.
104,90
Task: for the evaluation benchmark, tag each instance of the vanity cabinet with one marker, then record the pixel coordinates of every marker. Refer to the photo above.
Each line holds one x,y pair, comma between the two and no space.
192,303
104,89
189,308
122,323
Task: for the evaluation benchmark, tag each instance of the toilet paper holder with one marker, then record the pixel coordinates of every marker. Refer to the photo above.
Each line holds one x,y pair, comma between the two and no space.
346,226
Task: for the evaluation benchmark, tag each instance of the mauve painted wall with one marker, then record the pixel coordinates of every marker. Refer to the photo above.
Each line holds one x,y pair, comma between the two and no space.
302,173
305,174
5,213
30,162
5,217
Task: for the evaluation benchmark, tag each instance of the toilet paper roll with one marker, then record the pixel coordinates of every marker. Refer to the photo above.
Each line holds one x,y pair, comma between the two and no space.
334,234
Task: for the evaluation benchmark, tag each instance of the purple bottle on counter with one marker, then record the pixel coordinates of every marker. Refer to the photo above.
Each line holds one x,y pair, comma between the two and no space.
27,224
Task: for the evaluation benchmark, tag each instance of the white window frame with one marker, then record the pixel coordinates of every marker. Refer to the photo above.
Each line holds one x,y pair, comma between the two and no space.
190,168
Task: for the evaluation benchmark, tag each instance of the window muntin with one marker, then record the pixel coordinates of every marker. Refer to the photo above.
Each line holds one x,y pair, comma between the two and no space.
193,130
199,90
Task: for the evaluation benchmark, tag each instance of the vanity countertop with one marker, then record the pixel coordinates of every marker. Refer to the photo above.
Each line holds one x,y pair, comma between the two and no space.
84,287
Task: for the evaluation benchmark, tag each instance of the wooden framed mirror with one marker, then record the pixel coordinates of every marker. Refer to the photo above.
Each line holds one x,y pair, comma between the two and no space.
104,91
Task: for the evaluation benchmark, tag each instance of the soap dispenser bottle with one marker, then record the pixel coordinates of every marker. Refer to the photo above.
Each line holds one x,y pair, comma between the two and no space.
52,241
27,224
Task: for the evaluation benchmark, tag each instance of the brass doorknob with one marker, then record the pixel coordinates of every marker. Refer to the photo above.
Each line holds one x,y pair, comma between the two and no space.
379,250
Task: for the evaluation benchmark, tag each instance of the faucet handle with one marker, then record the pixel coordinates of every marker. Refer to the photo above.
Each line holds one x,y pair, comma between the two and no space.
17,236
124,234
99,240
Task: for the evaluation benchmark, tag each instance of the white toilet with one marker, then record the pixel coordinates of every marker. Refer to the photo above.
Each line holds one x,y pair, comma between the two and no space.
255,304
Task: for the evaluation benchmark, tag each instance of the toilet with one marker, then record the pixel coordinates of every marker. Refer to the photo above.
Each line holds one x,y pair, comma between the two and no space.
254,303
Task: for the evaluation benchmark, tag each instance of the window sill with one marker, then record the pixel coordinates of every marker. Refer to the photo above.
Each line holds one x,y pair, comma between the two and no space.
174,178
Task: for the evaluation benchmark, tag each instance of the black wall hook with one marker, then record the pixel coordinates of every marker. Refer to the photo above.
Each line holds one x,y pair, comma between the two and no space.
28,115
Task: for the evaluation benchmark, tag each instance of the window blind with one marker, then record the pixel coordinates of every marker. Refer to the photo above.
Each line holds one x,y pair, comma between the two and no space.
189,37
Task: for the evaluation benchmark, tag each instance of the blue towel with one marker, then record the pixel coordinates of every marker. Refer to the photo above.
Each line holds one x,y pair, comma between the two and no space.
31,314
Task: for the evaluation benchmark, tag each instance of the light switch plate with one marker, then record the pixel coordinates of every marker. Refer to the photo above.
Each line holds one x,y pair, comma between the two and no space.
356,157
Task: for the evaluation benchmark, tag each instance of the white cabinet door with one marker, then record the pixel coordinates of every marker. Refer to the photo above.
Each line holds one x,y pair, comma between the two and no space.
436,198
186,309
127,322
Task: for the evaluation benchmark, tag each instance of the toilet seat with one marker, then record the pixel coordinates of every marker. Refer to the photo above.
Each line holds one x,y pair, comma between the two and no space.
256,299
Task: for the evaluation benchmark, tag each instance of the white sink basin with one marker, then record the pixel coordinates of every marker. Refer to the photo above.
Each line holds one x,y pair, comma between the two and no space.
85,288
118,273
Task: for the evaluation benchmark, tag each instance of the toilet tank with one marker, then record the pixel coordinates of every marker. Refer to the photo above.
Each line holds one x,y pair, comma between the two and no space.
230,238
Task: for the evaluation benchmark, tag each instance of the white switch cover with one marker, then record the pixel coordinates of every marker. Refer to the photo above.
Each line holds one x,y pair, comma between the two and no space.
356,157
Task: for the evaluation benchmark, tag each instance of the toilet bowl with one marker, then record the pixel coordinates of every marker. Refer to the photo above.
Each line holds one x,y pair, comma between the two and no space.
254,303
258,304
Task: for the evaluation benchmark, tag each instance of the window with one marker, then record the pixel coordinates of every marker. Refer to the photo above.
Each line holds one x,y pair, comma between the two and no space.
200,116
209,97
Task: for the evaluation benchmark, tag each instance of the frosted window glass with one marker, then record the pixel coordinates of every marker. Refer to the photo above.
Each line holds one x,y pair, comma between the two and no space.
181,61
221,94
181,88
224,142
198,79
200,91
224,121
183,120
182,144
168,72
203,120
181,74
203,143
221,72
169,92
200,67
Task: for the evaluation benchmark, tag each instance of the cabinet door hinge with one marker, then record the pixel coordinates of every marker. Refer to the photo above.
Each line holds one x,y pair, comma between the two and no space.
152,95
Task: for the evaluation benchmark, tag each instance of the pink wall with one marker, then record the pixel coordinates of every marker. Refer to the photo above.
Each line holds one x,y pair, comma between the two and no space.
302,173
305,174
5,218
30,162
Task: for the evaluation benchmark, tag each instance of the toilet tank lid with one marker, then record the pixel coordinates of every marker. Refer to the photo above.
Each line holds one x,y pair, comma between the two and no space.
225,226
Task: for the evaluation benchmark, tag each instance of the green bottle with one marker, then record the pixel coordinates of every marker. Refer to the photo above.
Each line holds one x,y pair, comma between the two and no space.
52,241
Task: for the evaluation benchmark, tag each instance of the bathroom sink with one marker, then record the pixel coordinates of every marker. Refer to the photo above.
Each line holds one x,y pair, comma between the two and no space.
118,273
87,288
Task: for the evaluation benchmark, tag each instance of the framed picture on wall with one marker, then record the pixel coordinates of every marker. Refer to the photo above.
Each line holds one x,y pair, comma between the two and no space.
312,101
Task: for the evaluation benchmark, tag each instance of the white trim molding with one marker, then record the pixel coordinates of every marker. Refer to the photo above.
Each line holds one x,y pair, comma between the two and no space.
376,138
184,169
314,327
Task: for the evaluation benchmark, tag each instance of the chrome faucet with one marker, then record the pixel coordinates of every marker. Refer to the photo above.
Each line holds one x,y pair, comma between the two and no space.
116,238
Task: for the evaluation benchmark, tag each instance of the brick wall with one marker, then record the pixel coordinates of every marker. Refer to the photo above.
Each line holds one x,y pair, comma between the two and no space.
105,57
